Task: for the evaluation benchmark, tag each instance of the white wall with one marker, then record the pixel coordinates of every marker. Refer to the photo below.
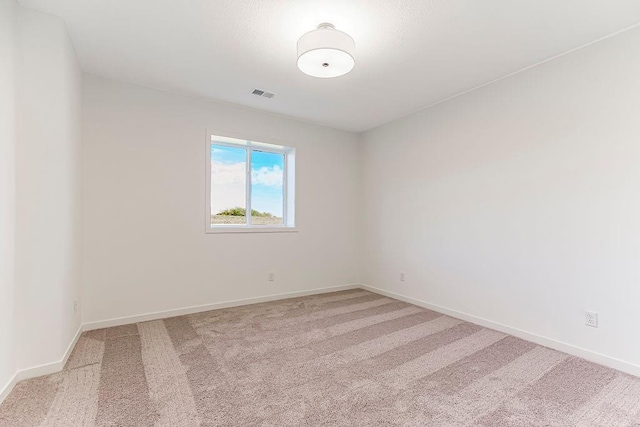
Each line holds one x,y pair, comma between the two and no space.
7,187
48,225
40,83
519,202
145,249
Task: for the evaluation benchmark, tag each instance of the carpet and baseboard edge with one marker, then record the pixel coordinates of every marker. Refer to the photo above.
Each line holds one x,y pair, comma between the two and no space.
37,371
573,350
89,326
51,368
589,355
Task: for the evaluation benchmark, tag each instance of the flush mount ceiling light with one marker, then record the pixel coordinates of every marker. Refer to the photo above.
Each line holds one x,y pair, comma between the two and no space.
326,52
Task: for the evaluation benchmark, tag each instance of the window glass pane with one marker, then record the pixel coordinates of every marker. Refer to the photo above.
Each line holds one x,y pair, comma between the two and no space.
228,185
267,190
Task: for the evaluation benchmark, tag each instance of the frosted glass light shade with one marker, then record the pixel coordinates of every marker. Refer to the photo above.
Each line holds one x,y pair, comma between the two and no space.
326,52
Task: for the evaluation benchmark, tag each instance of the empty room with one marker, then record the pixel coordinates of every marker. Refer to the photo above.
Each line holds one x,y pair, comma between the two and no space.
319,213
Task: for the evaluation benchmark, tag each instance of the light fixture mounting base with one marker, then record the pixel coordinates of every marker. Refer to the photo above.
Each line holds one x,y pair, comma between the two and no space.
326,26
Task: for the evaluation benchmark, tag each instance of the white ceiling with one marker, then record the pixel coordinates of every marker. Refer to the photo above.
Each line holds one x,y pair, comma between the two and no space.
409,53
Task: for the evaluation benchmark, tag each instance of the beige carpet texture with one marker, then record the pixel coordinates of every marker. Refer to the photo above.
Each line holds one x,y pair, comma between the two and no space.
350,358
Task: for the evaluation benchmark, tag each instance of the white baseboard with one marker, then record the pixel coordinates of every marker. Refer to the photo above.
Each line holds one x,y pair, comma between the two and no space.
51,368
207,307
573,350
37,371
4,392
54,367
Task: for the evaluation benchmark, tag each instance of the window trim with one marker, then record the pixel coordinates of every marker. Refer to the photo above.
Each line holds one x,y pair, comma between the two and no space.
288,214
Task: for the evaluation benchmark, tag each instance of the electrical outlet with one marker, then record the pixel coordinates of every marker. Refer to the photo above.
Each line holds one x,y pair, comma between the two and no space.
271,277
75,305
402,276
591,319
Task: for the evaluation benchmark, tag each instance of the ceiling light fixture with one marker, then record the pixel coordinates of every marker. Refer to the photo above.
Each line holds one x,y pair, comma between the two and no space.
326,52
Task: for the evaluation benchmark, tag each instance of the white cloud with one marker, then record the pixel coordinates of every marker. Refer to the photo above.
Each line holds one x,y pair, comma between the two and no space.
269,176
233,173
227,186
227,173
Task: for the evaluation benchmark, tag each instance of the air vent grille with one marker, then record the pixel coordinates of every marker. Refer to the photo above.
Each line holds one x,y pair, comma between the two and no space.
263,93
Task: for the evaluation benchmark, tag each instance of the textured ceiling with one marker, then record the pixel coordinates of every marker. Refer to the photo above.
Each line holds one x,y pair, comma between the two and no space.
409,53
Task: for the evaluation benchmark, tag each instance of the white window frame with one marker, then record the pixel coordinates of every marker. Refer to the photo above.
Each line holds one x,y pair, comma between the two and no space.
288,213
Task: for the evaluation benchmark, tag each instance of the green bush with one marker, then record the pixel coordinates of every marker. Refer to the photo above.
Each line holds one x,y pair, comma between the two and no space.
243,212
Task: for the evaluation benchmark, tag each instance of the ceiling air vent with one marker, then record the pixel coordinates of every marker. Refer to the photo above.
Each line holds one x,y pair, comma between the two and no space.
263,93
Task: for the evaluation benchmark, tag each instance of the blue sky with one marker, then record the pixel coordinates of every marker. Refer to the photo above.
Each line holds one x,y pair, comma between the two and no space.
228,166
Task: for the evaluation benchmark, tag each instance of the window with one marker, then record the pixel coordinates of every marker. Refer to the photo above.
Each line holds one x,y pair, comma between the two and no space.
250,186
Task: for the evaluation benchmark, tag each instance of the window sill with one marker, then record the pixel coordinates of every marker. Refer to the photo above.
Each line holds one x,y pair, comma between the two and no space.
226,230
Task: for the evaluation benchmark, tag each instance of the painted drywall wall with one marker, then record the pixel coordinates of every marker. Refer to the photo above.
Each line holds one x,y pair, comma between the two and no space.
145,248
48,223
518,202
8,140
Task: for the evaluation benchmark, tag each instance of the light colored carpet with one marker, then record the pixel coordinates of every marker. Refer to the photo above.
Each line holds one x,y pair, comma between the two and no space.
349,358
